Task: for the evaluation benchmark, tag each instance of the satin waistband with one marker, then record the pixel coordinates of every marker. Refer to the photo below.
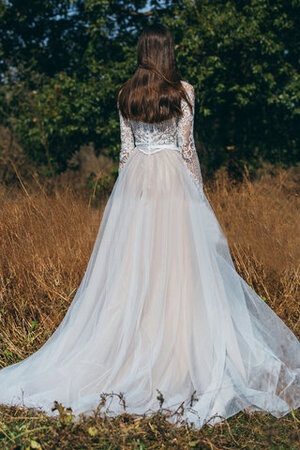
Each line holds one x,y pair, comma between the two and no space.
149,149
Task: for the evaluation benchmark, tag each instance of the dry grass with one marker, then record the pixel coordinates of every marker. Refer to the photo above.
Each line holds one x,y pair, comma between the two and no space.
261,220
46,243
35,430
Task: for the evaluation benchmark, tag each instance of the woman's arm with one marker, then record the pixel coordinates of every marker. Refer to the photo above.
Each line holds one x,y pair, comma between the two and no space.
185,137
127,141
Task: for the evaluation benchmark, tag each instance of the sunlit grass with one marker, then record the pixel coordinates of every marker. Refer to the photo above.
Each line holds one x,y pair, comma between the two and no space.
46,243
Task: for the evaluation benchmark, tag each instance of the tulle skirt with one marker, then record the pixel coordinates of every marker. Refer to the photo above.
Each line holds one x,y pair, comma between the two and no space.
161,308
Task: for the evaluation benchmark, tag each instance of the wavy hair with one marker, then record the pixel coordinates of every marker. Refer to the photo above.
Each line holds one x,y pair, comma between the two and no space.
154,93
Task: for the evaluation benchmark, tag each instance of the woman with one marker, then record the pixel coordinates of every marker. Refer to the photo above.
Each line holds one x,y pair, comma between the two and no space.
160,306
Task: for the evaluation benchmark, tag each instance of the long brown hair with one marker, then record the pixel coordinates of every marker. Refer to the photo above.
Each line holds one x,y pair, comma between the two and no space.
154,93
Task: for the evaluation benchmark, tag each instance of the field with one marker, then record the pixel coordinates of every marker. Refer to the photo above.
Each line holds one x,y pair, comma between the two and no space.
47,236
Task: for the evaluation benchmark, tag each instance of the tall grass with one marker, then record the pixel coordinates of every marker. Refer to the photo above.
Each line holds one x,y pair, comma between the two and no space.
46,241
261,220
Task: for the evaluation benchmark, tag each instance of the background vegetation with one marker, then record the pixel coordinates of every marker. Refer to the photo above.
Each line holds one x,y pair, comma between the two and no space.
63,60
46,244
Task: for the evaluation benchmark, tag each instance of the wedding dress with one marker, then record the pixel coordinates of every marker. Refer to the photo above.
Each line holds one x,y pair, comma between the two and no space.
161,306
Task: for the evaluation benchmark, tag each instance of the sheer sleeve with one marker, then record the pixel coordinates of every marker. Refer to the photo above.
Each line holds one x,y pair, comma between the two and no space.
127,141
185,137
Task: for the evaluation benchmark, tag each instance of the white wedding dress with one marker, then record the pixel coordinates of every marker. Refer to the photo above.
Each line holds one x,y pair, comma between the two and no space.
161,306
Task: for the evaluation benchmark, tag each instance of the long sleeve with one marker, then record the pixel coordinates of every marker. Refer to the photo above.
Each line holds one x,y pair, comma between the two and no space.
185,137
127,141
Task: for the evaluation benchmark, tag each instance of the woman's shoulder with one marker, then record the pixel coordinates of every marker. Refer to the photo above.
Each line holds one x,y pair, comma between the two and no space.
187,86
189,89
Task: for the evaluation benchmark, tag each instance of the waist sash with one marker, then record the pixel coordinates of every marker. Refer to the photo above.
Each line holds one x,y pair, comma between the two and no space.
148,149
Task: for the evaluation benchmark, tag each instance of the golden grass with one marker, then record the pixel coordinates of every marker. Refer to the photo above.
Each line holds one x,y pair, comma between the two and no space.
261,220
46,243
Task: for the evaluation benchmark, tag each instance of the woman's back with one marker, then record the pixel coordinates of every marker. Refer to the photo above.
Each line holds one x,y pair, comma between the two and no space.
172,134
151,135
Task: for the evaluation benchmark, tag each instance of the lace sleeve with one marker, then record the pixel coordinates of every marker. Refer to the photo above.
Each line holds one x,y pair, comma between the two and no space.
186,137
127,141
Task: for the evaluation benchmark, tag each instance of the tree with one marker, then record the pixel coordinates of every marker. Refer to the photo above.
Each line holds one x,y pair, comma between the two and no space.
241,57
39,36
64,62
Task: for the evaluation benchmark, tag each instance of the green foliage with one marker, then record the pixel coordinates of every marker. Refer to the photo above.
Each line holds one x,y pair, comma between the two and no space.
63,62
41,36
241,58
59,115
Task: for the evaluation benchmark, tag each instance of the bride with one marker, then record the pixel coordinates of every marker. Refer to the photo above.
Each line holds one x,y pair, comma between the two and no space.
161,307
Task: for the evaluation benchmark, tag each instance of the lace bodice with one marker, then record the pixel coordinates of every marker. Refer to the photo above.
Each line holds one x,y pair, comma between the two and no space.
175,133
150,136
